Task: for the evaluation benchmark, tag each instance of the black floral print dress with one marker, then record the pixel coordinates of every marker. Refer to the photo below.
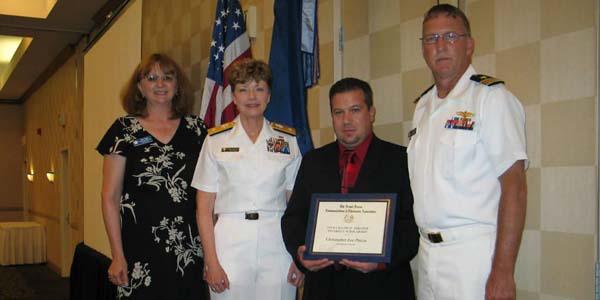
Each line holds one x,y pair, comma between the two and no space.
158,205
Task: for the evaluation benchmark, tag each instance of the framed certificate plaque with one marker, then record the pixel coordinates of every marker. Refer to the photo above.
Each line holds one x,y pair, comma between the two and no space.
357,227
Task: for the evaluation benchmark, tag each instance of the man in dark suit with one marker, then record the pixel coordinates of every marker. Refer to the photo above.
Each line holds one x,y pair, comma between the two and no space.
379,167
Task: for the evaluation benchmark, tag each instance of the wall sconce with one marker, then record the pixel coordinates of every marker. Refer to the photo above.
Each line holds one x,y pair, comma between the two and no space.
50,176
30,177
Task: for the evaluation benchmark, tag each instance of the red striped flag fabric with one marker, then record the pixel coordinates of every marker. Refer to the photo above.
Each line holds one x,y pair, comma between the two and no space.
229,44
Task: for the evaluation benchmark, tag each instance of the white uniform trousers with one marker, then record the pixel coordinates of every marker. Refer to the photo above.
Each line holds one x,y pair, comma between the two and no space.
253,256
458,267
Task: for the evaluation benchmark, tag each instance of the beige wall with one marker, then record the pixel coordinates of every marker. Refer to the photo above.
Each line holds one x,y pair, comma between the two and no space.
45,139
182,31
61,97
545,50
12,170
107,69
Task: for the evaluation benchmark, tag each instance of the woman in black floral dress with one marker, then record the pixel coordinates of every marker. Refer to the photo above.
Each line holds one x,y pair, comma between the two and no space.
147,201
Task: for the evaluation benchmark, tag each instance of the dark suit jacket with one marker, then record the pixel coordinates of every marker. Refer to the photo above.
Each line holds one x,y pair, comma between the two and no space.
383,171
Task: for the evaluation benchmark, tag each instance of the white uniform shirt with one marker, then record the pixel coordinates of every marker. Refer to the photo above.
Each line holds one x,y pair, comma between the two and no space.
247,176
461,145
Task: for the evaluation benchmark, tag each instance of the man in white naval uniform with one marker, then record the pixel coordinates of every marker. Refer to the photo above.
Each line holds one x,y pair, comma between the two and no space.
467,162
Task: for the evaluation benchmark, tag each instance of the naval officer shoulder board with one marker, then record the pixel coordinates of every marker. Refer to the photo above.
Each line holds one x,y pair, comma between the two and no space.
221,128
282,128
487,80
483,79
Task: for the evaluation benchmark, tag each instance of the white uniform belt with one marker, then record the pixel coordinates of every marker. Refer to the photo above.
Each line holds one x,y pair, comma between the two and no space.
455,234
252,215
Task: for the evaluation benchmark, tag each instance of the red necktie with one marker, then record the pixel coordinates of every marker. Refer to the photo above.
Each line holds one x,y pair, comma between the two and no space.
349,172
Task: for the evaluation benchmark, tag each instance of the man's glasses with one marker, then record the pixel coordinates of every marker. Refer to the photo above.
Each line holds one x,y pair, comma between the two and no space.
155,78
450,37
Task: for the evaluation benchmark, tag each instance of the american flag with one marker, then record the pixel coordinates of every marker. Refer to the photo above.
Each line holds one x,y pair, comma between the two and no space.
229,43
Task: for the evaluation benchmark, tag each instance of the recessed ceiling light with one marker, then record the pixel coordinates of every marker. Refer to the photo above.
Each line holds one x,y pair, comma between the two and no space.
8,47
30,8
12,49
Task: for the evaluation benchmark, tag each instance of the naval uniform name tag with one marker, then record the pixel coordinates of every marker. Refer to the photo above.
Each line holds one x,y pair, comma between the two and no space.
230,149
358,227
142,141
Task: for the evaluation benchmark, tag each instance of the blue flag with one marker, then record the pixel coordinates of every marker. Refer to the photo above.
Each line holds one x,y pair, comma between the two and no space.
288,91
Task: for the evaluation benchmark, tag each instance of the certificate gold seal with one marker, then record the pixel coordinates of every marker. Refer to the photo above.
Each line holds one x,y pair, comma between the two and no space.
349,218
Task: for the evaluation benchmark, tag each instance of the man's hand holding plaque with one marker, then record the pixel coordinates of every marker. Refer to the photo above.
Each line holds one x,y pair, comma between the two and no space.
313,265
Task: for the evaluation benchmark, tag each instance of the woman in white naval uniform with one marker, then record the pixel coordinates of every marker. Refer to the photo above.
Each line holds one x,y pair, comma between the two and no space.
245,172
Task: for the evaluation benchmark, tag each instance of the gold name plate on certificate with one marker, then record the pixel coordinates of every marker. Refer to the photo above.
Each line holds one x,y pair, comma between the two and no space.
358,227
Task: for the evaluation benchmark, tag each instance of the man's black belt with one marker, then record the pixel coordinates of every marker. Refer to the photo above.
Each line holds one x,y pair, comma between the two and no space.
434,237
251,216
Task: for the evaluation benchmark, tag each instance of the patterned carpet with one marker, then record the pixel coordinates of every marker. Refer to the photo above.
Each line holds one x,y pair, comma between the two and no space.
32,282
